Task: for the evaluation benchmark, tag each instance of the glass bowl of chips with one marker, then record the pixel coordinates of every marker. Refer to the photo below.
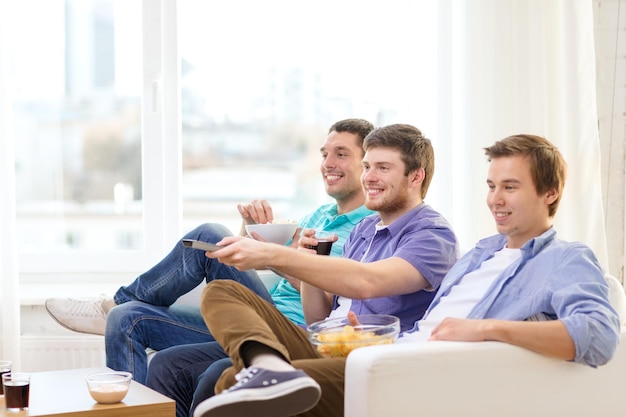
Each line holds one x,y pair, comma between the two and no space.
338,337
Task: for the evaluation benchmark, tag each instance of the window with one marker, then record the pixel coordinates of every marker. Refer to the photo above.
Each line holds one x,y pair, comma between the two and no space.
106,169
76,73
261,83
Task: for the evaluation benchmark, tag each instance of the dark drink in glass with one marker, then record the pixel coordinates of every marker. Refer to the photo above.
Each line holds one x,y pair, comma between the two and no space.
16,395
324,242
323,247
16,390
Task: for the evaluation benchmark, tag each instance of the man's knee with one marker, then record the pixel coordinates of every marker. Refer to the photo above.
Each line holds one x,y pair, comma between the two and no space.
219,287
210,232
164,365
158,366
123,315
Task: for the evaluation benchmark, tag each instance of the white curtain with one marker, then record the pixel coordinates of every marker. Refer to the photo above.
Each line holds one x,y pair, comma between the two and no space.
9,300
518,66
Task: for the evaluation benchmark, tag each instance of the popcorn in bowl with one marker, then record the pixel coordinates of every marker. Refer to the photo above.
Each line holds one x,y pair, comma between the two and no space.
283,221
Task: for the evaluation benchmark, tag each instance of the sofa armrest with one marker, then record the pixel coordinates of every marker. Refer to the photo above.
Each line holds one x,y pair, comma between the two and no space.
451,379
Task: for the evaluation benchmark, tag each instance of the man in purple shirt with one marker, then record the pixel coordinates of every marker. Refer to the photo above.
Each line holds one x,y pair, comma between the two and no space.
393,262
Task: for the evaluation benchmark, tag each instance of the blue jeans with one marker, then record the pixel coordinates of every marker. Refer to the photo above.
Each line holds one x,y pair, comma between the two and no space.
144,316
187,374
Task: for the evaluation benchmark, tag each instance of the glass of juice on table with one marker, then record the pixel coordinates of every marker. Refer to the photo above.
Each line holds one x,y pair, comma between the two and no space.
5,367
16,390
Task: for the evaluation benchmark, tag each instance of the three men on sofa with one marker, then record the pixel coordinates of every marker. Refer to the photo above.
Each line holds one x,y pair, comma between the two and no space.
522,286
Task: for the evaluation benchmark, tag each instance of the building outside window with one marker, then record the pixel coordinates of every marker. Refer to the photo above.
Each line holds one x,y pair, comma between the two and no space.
257,94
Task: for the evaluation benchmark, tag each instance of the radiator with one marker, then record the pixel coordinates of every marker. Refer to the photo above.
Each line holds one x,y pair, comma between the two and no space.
51,353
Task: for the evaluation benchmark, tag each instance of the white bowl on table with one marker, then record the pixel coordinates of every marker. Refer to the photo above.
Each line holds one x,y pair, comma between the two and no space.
108,387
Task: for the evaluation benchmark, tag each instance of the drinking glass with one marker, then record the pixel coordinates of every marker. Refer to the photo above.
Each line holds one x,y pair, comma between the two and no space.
5,367
16,390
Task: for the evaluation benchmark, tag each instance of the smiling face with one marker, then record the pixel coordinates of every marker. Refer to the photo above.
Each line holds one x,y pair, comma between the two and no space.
387,189
341,169
520,212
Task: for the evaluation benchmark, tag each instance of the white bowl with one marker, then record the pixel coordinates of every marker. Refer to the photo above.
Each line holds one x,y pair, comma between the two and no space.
279,233
108,387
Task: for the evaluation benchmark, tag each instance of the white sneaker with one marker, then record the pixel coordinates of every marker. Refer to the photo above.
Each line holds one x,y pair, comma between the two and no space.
85,316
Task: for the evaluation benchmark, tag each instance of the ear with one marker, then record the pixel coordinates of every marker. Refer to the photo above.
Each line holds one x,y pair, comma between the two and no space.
416,177
551,196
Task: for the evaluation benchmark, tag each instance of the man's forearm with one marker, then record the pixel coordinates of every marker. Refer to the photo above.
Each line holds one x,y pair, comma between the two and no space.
549,338
316,303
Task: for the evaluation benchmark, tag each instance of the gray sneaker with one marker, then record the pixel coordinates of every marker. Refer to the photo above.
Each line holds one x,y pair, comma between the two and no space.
85,316
263,393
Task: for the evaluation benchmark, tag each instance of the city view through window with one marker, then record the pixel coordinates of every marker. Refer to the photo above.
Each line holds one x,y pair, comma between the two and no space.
258,90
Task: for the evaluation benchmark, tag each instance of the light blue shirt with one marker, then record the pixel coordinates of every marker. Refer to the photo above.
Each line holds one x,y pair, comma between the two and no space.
561,280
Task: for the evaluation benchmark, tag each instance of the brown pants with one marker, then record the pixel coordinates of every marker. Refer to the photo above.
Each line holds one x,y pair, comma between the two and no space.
236,315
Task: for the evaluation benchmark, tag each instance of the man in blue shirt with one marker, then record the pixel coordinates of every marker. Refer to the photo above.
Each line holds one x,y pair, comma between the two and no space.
523,286
542,293
142,316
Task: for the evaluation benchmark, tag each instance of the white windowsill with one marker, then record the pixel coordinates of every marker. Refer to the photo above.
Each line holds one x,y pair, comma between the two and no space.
32,294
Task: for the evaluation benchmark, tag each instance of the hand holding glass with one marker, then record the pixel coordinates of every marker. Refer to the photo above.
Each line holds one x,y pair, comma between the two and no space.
325,242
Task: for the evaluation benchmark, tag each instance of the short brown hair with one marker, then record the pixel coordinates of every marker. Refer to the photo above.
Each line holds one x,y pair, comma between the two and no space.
547,166
417,151
359,127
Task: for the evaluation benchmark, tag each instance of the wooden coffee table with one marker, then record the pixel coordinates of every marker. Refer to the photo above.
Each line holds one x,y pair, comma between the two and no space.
65,394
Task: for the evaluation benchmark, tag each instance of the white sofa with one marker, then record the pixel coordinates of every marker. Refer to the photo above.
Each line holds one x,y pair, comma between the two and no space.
486,379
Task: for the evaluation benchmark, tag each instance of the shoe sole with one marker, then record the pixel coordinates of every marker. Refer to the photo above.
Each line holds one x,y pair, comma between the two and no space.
275,401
